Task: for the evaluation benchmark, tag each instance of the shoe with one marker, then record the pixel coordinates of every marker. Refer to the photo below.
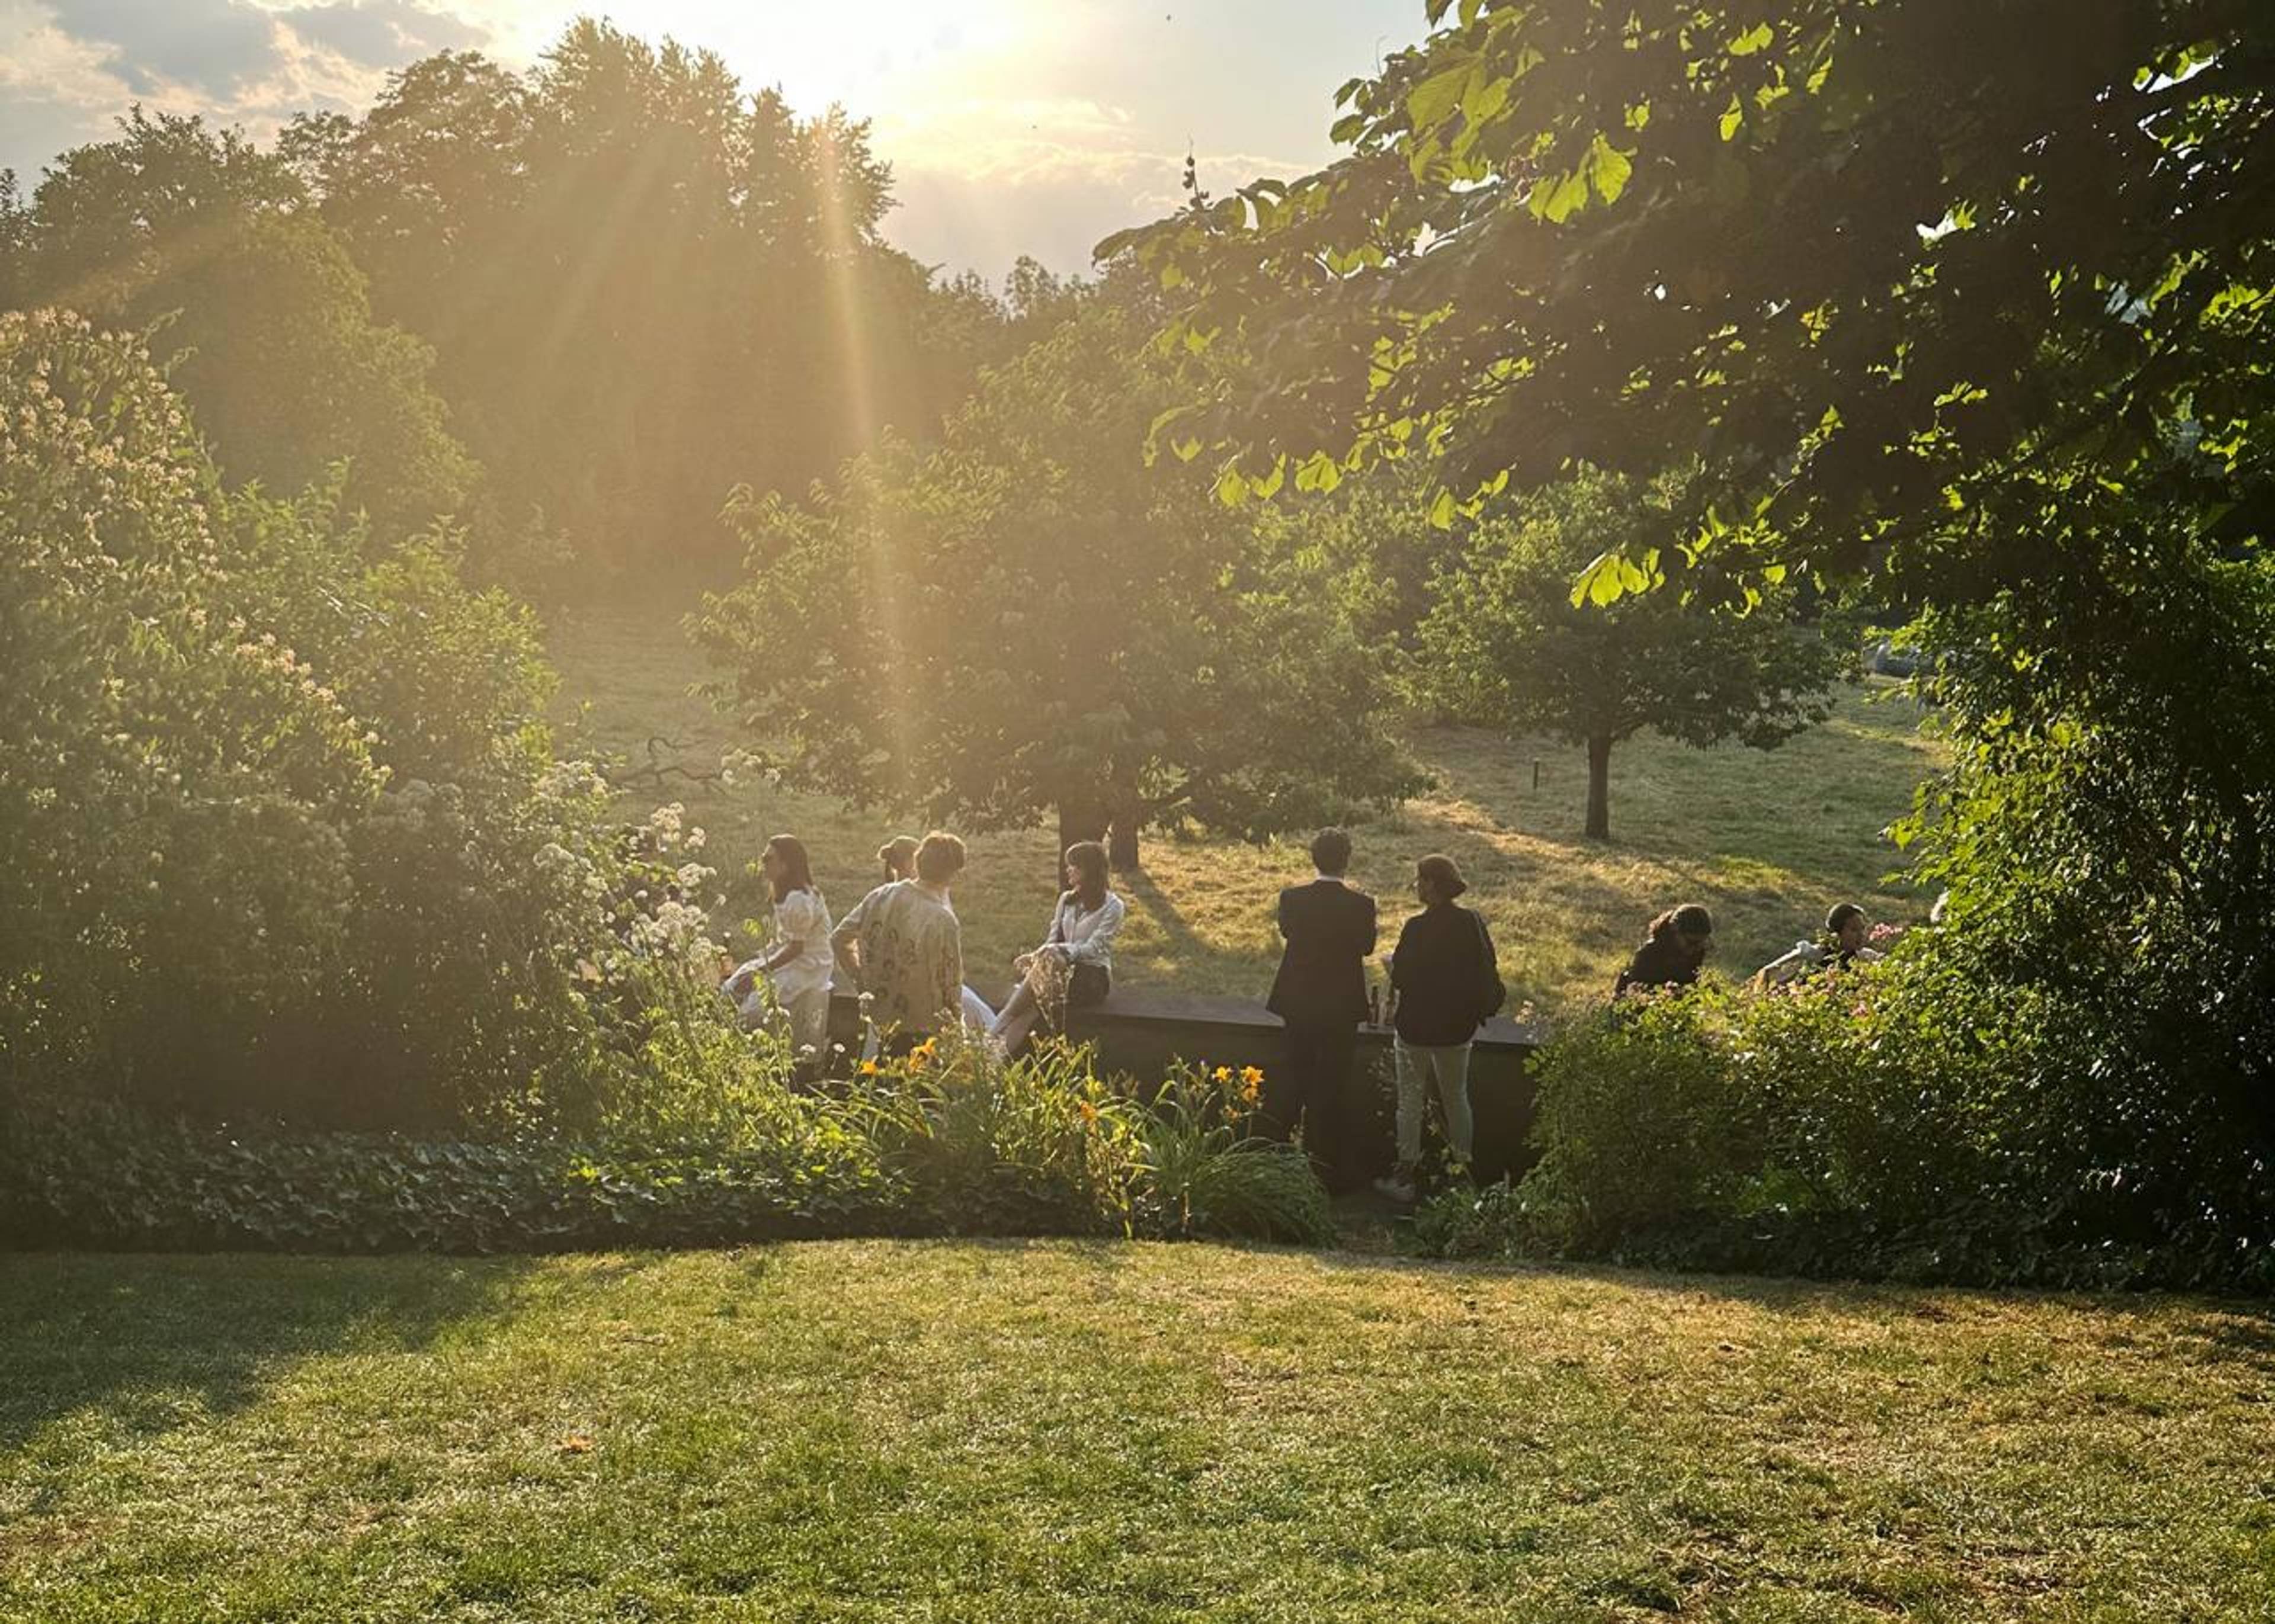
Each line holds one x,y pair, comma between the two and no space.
1394,1190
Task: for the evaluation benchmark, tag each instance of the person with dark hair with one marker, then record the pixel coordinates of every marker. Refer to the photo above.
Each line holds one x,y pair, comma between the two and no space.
898,857
1074,967
1673,954
796,965
904,947
1448,984
1320,994
1843,944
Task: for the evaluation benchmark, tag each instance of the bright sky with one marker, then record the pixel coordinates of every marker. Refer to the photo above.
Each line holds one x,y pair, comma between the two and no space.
1012,125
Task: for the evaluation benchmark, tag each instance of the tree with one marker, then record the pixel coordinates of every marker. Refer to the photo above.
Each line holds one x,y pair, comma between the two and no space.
285,831
1973,299
1029,620
1505,644
268,321
644,285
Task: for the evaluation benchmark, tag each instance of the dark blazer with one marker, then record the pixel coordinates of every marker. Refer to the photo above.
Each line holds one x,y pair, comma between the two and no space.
1329,930
1444,957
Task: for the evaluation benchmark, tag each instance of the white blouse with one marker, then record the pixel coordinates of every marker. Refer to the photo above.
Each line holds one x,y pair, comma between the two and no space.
802,918
1087,934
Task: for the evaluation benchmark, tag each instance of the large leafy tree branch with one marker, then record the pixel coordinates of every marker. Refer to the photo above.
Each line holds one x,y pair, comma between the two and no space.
1901,272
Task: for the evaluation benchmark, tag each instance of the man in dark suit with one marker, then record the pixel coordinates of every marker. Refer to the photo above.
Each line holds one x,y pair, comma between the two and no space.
1321,993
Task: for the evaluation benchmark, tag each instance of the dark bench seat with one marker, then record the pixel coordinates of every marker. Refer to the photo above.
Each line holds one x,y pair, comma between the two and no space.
1144,1034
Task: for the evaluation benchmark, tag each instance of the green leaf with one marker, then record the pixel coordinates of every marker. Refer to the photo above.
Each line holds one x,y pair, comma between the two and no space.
1556,199
1600,583
1758,38
1610,169
1434,99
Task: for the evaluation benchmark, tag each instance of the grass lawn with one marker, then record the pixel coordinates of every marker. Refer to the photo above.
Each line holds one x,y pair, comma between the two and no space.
1768,840
1060,1432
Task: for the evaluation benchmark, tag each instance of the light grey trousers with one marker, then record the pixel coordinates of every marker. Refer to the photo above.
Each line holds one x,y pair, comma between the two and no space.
1449,1066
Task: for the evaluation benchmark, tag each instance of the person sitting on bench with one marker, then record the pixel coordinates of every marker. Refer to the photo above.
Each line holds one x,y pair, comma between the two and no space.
1074,966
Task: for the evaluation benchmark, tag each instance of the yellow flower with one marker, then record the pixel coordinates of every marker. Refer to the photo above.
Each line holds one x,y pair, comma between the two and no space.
1089,1112
868,1068
923,1052
1252,1076
1222,1074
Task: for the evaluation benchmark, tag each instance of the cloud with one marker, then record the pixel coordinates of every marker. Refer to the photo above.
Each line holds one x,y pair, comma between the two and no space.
69,69
1053,201
214,45
384,34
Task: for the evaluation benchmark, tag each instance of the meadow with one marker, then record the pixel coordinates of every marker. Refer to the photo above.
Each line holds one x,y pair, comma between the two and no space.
1767,840
1066,1431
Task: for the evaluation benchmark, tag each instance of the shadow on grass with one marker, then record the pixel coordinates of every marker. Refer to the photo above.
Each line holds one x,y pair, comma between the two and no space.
158,1341
2226,1329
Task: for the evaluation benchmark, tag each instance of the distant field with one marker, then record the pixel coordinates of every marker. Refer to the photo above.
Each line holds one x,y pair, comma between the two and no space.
1050,1432
1767,840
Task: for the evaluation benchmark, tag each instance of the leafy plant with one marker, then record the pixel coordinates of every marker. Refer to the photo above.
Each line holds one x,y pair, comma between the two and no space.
1041,1145
1207,1172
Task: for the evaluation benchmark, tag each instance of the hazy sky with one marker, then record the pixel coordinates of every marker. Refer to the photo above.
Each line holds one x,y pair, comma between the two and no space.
1012,125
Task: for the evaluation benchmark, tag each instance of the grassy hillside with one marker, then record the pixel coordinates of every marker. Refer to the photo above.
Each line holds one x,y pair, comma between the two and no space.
1068,1431
1768,840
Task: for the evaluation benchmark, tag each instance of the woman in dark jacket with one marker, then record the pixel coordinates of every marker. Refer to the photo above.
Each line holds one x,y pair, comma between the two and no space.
1447,983
1672,955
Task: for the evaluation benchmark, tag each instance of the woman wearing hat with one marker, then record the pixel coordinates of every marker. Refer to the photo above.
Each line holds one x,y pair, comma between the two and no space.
1448,984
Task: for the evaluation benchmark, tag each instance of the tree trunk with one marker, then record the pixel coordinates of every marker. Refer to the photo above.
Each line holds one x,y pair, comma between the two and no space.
1122,838
1599,787
1076,823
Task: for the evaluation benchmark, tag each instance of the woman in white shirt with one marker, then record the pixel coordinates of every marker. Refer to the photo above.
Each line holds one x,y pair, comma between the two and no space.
1074,966
1843,947
798,963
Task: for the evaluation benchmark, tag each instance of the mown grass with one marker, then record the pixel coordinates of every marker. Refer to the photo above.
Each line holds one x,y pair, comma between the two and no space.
1768,840
1059,1431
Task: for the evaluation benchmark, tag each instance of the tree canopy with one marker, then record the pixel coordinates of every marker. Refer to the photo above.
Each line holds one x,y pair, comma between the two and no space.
1902,274
572,306
266,319
1028,618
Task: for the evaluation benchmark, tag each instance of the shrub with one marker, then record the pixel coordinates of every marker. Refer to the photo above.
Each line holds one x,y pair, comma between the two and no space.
94,1174
285,831
1906,1122
1639,1125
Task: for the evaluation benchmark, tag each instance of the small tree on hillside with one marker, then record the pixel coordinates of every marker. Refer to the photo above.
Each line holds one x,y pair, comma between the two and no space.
1032,621
1505,644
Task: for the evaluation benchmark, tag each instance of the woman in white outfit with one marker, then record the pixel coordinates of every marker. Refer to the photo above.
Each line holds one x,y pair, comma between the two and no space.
1074,966
798,963
1843,947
